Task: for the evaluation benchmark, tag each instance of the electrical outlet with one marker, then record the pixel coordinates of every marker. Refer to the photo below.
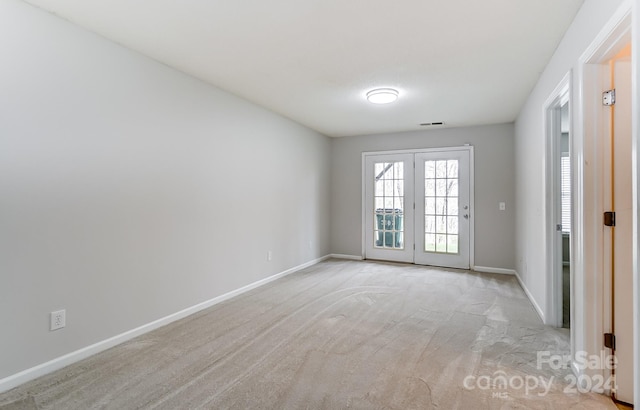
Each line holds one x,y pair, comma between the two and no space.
58,319
502,206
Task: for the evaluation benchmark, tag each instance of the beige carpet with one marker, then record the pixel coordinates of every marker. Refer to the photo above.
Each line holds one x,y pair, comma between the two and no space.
341,334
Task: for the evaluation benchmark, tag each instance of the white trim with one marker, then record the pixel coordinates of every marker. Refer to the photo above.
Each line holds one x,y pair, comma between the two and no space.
635,104
530,296
416,150
591,312
583,382
488,269
472,204
617,30
24,376
347,257
363,207
553,211
577,371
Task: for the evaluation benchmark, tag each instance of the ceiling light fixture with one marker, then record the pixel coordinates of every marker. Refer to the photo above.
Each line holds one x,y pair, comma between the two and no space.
382,95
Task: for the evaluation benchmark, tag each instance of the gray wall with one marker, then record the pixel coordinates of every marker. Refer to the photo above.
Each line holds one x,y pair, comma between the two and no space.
494,182
129,191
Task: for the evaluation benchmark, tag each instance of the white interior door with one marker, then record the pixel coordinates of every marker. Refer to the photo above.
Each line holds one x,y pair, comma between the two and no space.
389,207
418,207
443,208
622,232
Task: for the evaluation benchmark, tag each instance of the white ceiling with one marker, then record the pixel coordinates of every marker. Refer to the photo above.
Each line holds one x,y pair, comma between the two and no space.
464,62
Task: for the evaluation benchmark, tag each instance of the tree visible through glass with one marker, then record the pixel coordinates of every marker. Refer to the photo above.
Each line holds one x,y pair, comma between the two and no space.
441,206
389,205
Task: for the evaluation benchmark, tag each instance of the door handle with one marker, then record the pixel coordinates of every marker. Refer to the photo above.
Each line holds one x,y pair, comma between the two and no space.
465,216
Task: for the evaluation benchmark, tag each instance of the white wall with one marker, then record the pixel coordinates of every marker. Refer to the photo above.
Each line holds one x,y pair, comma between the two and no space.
129,191
530,154
494,183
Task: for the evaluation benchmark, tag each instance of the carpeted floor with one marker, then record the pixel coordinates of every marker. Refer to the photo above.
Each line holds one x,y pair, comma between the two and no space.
341,334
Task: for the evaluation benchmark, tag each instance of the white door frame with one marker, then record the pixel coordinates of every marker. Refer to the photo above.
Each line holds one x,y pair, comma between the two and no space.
592,288
417,151
552,120
619,165
635,141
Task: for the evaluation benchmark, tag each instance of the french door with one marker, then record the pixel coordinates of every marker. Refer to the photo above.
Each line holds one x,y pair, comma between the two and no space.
389,181
418,207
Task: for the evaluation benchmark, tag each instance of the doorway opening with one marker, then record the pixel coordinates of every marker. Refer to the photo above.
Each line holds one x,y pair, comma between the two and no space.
620,248
603,313
559,205
565,212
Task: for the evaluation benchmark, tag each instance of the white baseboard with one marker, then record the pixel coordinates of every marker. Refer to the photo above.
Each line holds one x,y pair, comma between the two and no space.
583,378
348,257
530,296
24,376
576,370
486,269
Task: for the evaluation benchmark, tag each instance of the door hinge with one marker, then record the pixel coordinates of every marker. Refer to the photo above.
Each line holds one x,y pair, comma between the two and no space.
609,97
614,389
609,218
610,341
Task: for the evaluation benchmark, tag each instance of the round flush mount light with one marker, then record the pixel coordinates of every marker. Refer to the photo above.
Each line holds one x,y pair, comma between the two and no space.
382,95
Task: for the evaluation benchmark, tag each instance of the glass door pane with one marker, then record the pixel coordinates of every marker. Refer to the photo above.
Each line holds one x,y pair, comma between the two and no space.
388,211
388,207
441,206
